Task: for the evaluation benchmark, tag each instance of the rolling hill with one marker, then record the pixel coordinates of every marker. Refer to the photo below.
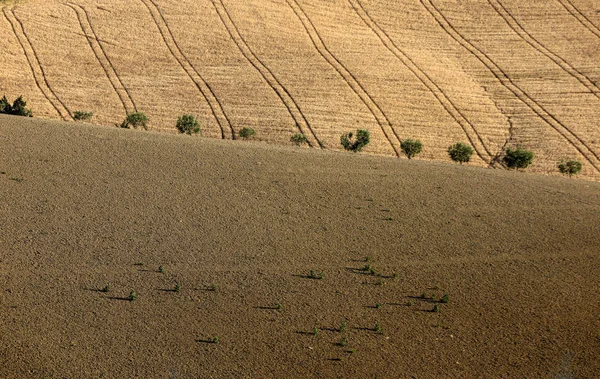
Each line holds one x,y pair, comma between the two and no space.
491,73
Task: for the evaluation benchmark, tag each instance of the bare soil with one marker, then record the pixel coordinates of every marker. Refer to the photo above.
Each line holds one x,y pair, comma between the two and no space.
84,206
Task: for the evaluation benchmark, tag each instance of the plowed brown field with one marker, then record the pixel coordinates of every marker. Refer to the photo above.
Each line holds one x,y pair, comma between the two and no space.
82,207
491,73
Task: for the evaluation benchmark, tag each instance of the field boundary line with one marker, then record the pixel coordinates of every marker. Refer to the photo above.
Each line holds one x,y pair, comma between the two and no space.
468,128
201,84
284,95
102,57
580,16
516,26
352,82
39,75
505,80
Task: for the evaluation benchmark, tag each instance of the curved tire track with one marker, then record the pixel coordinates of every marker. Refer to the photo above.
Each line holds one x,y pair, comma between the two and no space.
504,79
512,22
347,76
115,80
286,98
582,18
202,85
469,129
39,75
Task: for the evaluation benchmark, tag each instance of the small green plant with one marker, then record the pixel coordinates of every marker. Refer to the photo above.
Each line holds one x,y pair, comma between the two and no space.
378,328
16,109
316,274
378,305
298,139
395,275
215,340
247,133
344,342
106,288
132,296
368,258
367,267
137,119
570,168
380,282
82,116
410,303
411,147
518,158
342,327
177,287
445,299
213,287
187,124
460,152
161,269
436,309
278,306
352,351
355,144
315,331
424,295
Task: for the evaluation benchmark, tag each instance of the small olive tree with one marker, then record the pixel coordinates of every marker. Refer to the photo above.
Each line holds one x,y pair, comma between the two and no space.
411,147
188,124
460,152
298,139
570,168
518,158
137,119
356,143
17,108
247,133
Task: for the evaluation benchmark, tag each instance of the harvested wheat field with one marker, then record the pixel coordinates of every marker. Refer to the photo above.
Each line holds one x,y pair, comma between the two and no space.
249,260
494,74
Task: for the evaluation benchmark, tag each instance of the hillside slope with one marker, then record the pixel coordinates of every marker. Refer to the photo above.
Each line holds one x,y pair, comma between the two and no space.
84,207
491,73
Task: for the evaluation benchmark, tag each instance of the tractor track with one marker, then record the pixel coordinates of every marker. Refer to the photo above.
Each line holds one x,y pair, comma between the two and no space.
216,107
113,76
516,26
476,141
284,95
347,76
505,80
582,18
39,75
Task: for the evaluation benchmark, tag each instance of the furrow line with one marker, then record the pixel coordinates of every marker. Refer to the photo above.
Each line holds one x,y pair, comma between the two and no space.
39,75
201,84
512,22
284,95
582,18
100,52
505,80
347,76
468,128
95,49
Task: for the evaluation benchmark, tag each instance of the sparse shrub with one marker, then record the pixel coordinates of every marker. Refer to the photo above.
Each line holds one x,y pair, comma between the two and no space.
136,120
177,287
570,168
518,158
460,152
213,287
344,342
161,269
436,309
247,133
355,144
445,299
316,274
298,139
378,328
215,340
378,305
17,108
188,124
82,116
132,296
380,282
411,147
315,331
342,327
106,288
278,306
